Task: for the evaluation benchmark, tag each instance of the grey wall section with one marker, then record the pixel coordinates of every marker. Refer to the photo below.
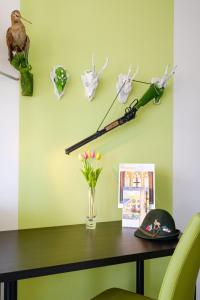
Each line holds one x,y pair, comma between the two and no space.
9,128
186,143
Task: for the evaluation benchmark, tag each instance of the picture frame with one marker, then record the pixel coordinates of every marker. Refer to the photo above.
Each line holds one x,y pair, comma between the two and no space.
136,194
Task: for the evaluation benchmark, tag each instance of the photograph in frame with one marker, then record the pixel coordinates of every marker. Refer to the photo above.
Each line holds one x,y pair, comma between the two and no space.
136,195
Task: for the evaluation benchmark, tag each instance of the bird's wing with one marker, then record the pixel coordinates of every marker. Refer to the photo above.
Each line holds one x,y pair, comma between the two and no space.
9,38
27,44
9,41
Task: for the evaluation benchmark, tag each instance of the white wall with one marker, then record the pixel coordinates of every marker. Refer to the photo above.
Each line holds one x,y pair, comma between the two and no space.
9,128
186,198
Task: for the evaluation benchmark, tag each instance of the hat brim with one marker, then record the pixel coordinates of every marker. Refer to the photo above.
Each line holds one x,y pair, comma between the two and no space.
171,236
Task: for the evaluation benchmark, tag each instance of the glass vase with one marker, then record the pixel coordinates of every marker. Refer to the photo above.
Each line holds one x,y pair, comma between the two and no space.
91,217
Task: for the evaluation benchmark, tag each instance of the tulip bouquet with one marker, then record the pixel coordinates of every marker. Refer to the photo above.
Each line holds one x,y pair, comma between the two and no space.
91,175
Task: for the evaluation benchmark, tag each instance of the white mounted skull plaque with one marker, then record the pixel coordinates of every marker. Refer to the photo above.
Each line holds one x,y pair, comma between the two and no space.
90,79
124,85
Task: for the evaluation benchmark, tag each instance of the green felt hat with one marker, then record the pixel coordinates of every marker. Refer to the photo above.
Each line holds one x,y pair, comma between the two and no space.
158,224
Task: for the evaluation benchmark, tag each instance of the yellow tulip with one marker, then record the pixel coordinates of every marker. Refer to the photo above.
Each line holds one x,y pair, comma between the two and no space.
98,156
80,156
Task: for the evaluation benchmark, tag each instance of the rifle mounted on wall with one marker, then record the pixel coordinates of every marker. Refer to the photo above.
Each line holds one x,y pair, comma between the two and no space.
154,92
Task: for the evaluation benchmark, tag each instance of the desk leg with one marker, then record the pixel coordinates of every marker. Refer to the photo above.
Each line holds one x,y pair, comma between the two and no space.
140,277
10,290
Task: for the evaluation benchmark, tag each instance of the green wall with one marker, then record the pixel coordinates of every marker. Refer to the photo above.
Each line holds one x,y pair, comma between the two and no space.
52,190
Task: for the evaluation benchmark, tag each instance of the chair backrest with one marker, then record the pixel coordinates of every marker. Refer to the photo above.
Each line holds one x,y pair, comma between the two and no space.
180,278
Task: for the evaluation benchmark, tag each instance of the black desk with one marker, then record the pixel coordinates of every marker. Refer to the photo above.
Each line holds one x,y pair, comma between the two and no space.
45,251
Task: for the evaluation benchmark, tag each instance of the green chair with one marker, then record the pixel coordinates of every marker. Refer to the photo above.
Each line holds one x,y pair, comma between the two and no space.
180,278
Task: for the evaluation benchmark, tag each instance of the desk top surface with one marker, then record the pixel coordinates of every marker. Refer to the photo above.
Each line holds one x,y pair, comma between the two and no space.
44,251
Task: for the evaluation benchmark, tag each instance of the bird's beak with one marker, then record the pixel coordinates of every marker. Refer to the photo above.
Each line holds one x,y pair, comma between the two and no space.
26,20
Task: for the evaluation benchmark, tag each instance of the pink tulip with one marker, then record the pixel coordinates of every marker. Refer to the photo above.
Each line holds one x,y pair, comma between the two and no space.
88,153
85,155
92,154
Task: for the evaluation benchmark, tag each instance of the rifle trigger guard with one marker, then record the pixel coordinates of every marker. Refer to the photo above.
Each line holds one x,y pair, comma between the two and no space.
130,107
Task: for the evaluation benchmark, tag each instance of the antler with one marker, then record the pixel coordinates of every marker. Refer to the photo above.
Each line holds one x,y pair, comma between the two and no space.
162,82
104,67
129,71
166,76
93,64
172,72
136,71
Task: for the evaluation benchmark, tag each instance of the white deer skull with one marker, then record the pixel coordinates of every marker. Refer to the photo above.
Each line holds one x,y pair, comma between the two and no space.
162,82
90,79
124,85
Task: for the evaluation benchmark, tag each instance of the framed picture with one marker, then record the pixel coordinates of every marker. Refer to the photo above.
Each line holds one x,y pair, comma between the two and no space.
136,194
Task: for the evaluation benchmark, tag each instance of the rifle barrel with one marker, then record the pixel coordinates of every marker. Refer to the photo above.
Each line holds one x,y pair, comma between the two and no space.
84,141
127,117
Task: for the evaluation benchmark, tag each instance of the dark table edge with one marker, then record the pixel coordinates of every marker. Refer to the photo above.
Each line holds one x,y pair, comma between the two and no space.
50,270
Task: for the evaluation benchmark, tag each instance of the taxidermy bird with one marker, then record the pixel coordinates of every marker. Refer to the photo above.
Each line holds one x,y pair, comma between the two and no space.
18,45
16,37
